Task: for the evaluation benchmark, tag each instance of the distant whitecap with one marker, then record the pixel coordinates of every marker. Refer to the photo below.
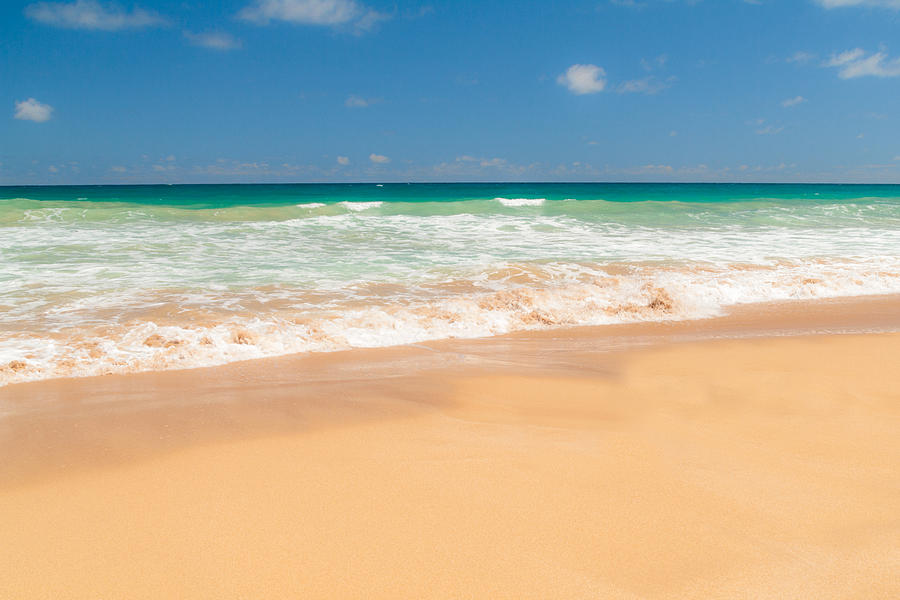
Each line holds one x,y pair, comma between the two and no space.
521,201
359,206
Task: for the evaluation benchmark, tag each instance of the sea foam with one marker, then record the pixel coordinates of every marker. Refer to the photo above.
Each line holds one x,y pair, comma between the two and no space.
515,202
560,295
250,276
360,206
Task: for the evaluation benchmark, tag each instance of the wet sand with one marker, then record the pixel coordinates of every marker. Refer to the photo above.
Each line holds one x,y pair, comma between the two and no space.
755,455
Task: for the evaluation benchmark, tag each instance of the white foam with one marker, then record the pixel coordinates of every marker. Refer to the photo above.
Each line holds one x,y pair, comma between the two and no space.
521,201
360,206
311,205
562,295
334,279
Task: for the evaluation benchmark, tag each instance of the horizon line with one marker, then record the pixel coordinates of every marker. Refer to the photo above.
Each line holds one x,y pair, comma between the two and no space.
461,182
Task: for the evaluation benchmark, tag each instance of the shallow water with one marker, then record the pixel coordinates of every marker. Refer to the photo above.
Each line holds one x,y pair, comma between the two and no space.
126,278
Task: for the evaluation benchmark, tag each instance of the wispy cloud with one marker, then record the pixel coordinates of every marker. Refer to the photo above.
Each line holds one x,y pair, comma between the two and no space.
214,40
801,57
789,102
856,63
628,3
650,169
647,85
327,13
91,15
895,4
651,84
343,160
763,128
583,79
354,101
469,166
769,130
658,62
379,159
32,110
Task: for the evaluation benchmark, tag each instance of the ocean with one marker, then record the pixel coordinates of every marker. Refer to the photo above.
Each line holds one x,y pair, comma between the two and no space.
115,279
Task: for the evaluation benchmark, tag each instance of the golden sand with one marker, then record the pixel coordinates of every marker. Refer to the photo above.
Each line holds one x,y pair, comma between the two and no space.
560,465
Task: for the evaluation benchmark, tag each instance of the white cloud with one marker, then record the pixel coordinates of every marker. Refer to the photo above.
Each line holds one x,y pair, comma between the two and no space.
652,170
343,160
91,14
329,13
762,128
854,63
468,167
793,101
801,57
53,169
842,3
845,57
354,101
213,40
655,63
496,162
234,168
32,110
583,79
647,85
379,159
493,162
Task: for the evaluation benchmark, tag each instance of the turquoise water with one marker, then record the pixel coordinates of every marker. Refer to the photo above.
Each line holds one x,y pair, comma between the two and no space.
222,196
97,279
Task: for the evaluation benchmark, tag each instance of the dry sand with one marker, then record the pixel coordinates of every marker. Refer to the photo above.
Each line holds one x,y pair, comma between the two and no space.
654,461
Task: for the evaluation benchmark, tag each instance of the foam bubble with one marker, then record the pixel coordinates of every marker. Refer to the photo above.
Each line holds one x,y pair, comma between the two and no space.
311,205
520,201
360,206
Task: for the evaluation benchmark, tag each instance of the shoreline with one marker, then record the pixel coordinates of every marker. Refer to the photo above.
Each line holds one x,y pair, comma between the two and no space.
33,441
783,317
750,455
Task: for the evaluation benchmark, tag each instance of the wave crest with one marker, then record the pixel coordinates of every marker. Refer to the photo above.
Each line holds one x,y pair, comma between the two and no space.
517,202
504,299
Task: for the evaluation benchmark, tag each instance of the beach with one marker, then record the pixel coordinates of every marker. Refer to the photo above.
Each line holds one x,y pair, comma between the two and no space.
101,280
327,299
752,455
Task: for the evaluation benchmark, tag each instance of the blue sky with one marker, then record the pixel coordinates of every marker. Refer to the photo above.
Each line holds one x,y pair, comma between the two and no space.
354,90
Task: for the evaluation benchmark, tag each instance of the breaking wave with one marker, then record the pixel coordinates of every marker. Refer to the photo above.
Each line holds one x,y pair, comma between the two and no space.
360,206
515,202
151,278
166,333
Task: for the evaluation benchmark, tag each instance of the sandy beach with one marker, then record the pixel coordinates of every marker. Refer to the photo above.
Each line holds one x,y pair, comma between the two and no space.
338,299
754,455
